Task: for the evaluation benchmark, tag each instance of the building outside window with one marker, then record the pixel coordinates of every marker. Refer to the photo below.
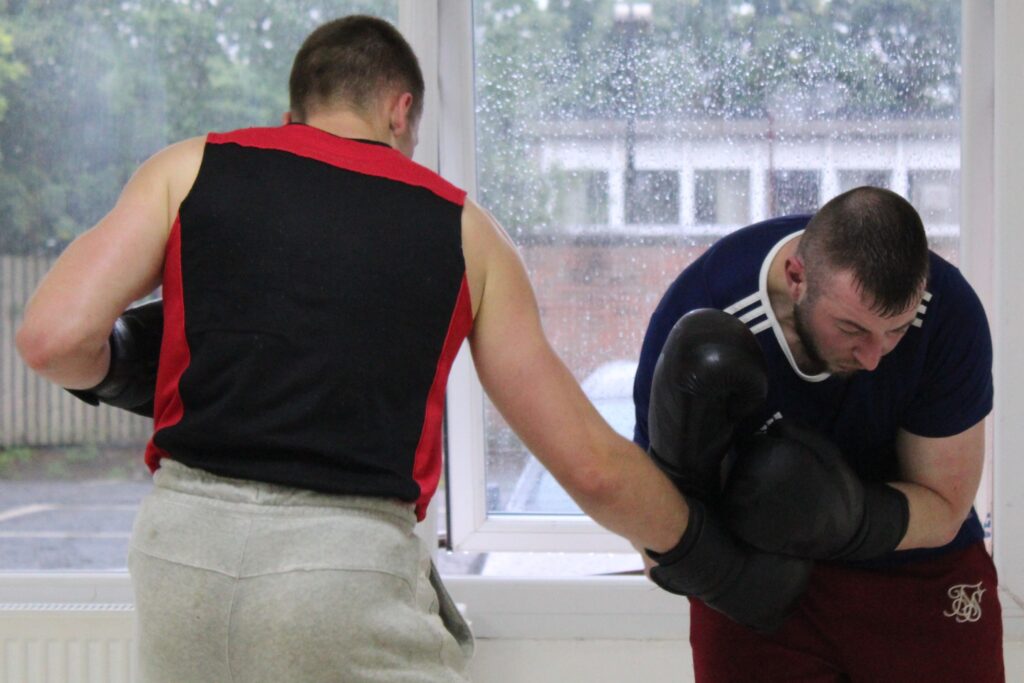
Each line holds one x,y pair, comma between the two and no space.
655,198
936,195
794,192
580,200
851,178
721,197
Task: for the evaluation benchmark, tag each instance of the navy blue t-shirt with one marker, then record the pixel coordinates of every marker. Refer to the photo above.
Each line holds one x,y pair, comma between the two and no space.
937,382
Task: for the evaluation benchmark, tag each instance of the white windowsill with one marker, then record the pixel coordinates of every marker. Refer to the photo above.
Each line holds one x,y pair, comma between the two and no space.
600,608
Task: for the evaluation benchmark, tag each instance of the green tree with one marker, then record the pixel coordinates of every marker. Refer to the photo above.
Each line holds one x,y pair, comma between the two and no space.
91,88
106,84
10,69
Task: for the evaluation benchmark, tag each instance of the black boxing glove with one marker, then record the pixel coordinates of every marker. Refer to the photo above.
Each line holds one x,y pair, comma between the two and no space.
753,588
130,382
791,491
710,375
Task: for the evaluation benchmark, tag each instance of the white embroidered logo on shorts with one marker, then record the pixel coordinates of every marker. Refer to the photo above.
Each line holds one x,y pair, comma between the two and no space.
966,602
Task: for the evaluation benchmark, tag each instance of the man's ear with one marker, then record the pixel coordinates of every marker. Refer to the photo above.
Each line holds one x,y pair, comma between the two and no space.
399,112
796,276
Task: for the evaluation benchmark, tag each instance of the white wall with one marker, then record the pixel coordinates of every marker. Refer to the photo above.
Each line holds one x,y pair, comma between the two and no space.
40,645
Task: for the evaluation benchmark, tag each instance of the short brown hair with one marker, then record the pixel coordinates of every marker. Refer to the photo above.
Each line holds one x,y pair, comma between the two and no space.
878,237
353,60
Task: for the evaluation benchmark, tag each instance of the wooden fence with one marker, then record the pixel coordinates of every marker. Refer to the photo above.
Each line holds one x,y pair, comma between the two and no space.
34,412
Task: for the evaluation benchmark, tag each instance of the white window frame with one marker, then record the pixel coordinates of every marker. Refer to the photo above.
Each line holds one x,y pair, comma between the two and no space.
630,607
992,174
472,528
994,252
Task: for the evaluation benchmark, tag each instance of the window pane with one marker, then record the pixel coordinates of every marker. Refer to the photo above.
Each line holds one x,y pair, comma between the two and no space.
722,197
653,197
794,192
936,194
580,200
712,113
88,90
849,179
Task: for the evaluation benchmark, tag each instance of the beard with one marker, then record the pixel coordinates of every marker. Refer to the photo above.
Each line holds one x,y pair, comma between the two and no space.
811,348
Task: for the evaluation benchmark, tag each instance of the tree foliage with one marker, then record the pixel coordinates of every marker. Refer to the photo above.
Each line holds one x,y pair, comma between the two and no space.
89,88
94,87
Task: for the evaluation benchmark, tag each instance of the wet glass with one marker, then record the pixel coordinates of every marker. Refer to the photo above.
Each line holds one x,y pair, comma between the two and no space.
88,90
617,140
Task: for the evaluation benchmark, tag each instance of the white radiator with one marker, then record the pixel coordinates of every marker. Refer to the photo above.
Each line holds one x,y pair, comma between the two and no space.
66,643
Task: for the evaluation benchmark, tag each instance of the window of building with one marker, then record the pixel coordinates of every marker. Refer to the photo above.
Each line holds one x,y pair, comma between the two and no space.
580,200
653,199
794,192
721,197
936,195
851,178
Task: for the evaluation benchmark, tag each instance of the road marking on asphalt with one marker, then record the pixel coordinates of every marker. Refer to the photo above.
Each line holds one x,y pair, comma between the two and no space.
120,507
24,510
63,535
40,508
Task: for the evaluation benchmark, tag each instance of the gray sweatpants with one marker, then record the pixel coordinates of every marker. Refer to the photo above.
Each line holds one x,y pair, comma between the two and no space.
238,581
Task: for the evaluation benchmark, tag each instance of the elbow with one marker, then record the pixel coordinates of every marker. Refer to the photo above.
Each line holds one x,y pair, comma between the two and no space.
593,487
944,531
44,349
35,347
945,534
950,530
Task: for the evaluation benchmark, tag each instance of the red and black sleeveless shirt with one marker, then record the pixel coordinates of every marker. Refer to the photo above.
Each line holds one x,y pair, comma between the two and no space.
315,297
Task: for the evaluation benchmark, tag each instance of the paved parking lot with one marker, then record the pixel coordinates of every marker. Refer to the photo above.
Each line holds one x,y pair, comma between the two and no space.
86,525
67,525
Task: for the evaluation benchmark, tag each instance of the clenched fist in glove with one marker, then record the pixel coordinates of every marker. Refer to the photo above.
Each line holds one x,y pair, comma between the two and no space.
710,376
790,491
130,382
754,588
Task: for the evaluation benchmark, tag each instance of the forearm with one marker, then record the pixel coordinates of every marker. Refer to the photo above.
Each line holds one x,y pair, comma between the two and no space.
934,520
940,478
636,500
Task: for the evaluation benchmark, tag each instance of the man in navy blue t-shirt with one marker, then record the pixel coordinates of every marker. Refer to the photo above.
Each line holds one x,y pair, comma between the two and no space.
865,455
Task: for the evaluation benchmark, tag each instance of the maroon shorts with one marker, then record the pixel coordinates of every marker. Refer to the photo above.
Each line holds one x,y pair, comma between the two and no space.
935,620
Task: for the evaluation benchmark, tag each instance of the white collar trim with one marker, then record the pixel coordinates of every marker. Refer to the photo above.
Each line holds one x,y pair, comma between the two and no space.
780,337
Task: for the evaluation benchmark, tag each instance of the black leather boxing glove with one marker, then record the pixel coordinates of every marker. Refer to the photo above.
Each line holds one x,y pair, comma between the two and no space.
709,376
753,588
130,382
791,491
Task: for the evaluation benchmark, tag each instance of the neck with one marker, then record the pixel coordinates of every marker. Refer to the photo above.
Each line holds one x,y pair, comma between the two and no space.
348,124
782,302
778,287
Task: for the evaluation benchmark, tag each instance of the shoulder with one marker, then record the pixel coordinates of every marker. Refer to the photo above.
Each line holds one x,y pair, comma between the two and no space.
176,167
177,158
950,299
180,155
165,177
730,269
492,260
752,243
